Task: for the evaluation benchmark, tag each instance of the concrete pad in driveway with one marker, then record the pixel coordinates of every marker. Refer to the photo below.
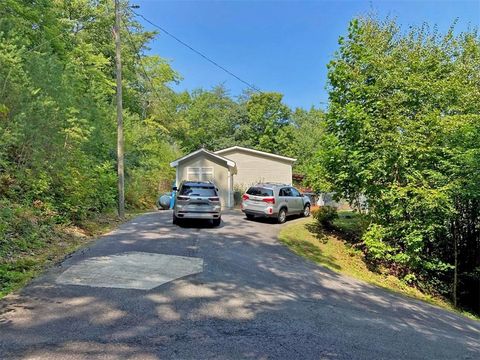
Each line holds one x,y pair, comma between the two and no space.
131,270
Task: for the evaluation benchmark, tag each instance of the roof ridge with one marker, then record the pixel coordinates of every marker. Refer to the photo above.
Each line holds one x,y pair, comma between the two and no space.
229,162
256,152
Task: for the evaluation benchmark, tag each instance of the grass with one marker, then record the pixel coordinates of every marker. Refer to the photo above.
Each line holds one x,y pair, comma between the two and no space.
335,251
350,223
44,247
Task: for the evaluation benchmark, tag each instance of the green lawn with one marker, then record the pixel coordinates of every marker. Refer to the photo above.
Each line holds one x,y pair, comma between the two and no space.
336,252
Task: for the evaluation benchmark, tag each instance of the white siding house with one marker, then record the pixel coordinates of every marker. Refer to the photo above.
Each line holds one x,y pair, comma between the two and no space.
233,167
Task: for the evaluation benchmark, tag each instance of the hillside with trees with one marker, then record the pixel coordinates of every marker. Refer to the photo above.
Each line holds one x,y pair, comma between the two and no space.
402,129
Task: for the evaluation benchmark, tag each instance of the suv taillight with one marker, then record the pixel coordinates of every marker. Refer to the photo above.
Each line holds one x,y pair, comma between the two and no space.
245,197
269,200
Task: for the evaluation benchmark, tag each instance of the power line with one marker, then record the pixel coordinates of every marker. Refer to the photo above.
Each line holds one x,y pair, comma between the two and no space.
198,53
53,38
137,53
26,51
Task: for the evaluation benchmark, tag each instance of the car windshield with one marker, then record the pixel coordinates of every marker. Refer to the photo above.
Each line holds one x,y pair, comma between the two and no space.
197,190
259,191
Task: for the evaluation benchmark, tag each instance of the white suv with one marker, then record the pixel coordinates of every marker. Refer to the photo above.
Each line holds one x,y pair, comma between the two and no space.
274,201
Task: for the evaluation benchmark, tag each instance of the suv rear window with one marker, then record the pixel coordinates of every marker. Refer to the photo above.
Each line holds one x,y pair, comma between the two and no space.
259,191
197,190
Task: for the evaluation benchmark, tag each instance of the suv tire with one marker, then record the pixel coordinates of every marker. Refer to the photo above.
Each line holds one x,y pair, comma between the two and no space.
217,222
282,216
250,216
306,211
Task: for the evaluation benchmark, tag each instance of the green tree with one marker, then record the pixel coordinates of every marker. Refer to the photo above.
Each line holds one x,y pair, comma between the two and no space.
57,114
206,119
309,130
267,124
402,129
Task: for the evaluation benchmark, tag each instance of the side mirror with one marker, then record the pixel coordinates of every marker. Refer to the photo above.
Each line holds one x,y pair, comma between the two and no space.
174,188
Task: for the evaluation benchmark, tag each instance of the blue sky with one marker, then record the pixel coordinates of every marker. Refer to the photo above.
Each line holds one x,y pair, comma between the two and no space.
281,46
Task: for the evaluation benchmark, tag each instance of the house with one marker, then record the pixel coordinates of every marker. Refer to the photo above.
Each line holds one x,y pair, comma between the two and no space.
233,168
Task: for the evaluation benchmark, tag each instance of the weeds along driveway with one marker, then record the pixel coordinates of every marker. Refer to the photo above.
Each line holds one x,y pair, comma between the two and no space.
251,298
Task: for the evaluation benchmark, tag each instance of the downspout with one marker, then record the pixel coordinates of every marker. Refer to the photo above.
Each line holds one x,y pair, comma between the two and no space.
229,204
177,182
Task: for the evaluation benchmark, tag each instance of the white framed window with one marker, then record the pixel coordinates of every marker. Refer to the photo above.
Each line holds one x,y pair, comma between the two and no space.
199,173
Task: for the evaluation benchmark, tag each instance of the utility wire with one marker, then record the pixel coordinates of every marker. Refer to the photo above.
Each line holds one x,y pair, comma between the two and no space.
49,40
198,53
26,51
137,53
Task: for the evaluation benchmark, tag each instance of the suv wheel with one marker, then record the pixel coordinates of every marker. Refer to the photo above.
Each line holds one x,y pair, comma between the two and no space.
306,210
217,222
282,216
250,216
175,220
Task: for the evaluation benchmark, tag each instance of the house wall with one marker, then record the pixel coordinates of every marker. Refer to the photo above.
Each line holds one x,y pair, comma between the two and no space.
255,168
220,173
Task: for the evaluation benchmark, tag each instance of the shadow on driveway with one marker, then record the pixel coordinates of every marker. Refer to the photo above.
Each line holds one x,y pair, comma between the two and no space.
254,299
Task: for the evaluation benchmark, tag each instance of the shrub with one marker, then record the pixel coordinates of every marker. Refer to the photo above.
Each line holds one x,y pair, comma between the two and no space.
377,250
325,216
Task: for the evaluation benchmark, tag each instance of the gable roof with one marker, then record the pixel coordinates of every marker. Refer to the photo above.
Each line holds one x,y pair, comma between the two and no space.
229,162
257,152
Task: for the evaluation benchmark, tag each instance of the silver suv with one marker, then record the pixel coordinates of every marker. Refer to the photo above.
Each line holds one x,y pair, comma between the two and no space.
197,200
275,201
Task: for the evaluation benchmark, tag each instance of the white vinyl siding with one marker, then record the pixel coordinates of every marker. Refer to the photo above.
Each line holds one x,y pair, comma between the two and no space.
200,173
256,168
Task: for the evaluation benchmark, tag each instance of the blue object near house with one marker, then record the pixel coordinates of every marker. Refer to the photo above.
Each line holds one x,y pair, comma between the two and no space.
172,199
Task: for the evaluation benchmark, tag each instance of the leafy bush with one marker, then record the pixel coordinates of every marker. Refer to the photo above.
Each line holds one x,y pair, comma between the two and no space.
417,164
325,216
376,248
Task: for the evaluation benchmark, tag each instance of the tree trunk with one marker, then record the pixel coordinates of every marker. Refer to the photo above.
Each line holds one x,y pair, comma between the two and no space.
455,271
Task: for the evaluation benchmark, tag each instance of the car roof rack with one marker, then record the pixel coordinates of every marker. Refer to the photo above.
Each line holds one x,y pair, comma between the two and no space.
199,182
274,183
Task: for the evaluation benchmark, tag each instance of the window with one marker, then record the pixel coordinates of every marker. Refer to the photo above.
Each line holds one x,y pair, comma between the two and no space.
258,191
198,190
295,192
285,192
199,173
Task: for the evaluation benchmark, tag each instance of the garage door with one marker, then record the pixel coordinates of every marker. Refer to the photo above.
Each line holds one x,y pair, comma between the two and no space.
200,173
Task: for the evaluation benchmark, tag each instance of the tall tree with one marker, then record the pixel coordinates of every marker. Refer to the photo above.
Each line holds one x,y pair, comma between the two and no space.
206,119
310,127
267,124
401,129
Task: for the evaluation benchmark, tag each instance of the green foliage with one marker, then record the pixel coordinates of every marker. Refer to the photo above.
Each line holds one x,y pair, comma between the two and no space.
268,125
207,119
58,128
325,215
212,119
377,248
309,132
57,115
352,225
403,130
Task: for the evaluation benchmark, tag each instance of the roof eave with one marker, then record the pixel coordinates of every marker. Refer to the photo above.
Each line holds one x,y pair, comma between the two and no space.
292,160
229,162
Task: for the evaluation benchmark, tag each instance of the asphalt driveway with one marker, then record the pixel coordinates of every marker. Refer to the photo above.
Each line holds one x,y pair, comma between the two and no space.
247,297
